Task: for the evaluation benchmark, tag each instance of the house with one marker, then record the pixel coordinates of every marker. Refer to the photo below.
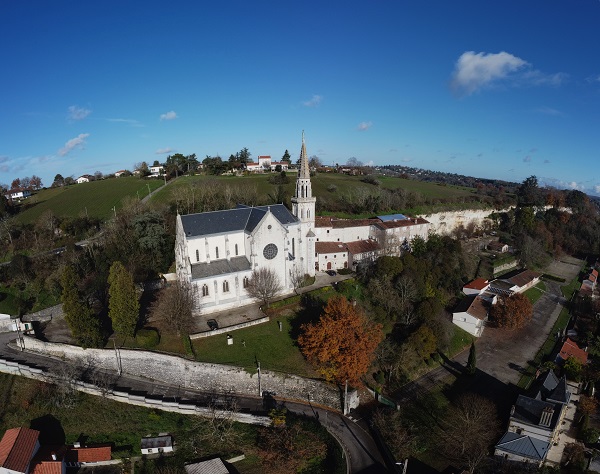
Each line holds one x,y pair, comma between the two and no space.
470,314
264,163
211,466
49,460
78,455
163,443
284,165
331,255
156,171
17,448
85,178
120,173
499,247
475,287
571,349
519,282
17,194
535,421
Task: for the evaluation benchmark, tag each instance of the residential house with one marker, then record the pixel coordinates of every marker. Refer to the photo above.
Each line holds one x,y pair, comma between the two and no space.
499,247
284,165
475,287
264,163
331,255
535,421
17,448
210,466
156,171
471,313
519,282
17,194
120,173
85,178
571,349
163,443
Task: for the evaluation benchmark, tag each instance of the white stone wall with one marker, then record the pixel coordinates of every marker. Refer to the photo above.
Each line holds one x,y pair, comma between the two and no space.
195,375
446,222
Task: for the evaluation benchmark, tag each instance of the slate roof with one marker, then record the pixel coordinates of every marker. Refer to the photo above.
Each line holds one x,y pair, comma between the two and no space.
212,466
17,447
220,267
473,305
242,218
529,410
522,445
550,388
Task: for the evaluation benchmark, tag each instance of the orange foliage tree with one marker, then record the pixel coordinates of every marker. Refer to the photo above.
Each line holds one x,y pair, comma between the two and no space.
512,312
341,344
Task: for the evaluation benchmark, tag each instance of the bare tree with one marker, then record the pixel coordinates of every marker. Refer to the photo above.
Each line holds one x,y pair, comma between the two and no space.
297,279
263,285
173,308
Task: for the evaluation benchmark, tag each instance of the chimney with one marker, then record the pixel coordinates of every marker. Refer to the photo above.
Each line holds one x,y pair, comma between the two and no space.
77,444
546,418
53,454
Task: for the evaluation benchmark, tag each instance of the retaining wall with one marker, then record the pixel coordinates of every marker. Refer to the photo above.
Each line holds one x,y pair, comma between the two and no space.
200,335
196,375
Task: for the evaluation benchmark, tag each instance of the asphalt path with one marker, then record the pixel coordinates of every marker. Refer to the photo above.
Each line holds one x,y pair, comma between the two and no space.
362,453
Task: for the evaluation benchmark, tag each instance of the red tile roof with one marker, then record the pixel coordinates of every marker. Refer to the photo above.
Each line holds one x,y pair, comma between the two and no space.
477,284
89,453
17,448
47,467
525,277
362,246
402,223
571,349
472,305
325,221
330,247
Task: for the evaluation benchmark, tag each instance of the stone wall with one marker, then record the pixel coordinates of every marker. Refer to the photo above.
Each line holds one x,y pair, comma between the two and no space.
196,375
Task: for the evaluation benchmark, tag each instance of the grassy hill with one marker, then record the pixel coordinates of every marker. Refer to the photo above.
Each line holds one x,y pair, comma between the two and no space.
97,198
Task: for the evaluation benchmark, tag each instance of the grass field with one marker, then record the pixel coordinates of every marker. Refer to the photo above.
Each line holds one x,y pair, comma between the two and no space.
97,198
536,292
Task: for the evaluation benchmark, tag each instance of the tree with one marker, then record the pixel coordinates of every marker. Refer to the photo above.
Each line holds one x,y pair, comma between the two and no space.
529,194
286,157
512,312
342,343
84,325
58,180
472,362
141,169
123,304
244,155
573,369
16,183
263,285
35,182
423,342
98,175
173,308
315,162
398,437
469,428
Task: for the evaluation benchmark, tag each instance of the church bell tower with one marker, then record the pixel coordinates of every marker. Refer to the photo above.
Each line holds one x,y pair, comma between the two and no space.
303,202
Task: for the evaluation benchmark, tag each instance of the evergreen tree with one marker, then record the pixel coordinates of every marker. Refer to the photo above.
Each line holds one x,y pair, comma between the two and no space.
85,326
472,362
123,305
286,157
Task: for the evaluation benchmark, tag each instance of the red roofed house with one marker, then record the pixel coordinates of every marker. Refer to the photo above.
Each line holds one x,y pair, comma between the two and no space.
17,448
78,455
471,314
571,349
475,287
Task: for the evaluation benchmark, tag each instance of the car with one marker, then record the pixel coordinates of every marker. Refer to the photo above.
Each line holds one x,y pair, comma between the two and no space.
212,324
331,273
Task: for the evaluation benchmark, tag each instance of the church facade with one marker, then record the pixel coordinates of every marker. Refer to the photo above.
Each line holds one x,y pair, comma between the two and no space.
216,252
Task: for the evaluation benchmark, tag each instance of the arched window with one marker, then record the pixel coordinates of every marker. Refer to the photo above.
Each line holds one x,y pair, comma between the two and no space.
236,250
225,286
216,252
197,255
246,282
205,290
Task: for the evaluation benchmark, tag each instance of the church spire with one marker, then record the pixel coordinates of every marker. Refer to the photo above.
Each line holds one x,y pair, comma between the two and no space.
304,168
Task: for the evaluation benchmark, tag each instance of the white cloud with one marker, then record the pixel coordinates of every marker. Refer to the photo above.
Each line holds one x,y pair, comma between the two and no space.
369,163
527,159
77,142
171,115
314,101
574,185
132,122
473,71
78,113
163,151
362,126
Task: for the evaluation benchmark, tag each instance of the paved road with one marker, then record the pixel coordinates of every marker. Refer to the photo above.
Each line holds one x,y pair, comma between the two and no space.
361,450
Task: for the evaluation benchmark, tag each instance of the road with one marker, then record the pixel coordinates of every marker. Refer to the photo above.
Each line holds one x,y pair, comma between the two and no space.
363,455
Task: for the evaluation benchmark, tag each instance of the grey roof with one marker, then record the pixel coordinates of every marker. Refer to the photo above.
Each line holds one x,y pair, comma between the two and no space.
242,218
552,389
212,466
157,442
220,267
522,445
529,410
392,217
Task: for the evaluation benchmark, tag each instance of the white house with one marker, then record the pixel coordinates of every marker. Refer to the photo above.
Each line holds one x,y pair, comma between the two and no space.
163,443
156,171
264,163
120,173
476,287
85,178
17,194
284,165
471,314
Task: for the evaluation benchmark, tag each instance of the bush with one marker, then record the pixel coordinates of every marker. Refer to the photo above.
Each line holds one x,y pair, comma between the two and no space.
344,271
371,180
147,338
590,435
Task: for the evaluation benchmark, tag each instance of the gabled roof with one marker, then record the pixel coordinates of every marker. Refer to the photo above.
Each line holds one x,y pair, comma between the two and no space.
529,410
523,278
552,389
83,454
402,223
220,267
330,247
17,448
157,441
242,218
362,246
495,245
212,466
524,446
477,284
472,305
335,223
571,349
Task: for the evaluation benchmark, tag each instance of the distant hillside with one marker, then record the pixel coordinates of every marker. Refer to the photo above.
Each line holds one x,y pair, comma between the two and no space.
97,198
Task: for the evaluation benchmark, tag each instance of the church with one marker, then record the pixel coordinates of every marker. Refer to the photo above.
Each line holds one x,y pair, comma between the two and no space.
216,252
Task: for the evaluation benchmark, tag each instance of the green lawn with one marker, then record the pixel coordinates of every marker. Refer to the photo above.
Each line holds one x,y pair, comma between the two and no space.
265,343
97,198
536,292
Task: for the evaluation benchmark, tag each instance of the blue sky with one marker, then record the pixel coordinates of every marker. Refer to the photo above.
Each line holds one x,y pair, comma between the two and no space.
489,89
